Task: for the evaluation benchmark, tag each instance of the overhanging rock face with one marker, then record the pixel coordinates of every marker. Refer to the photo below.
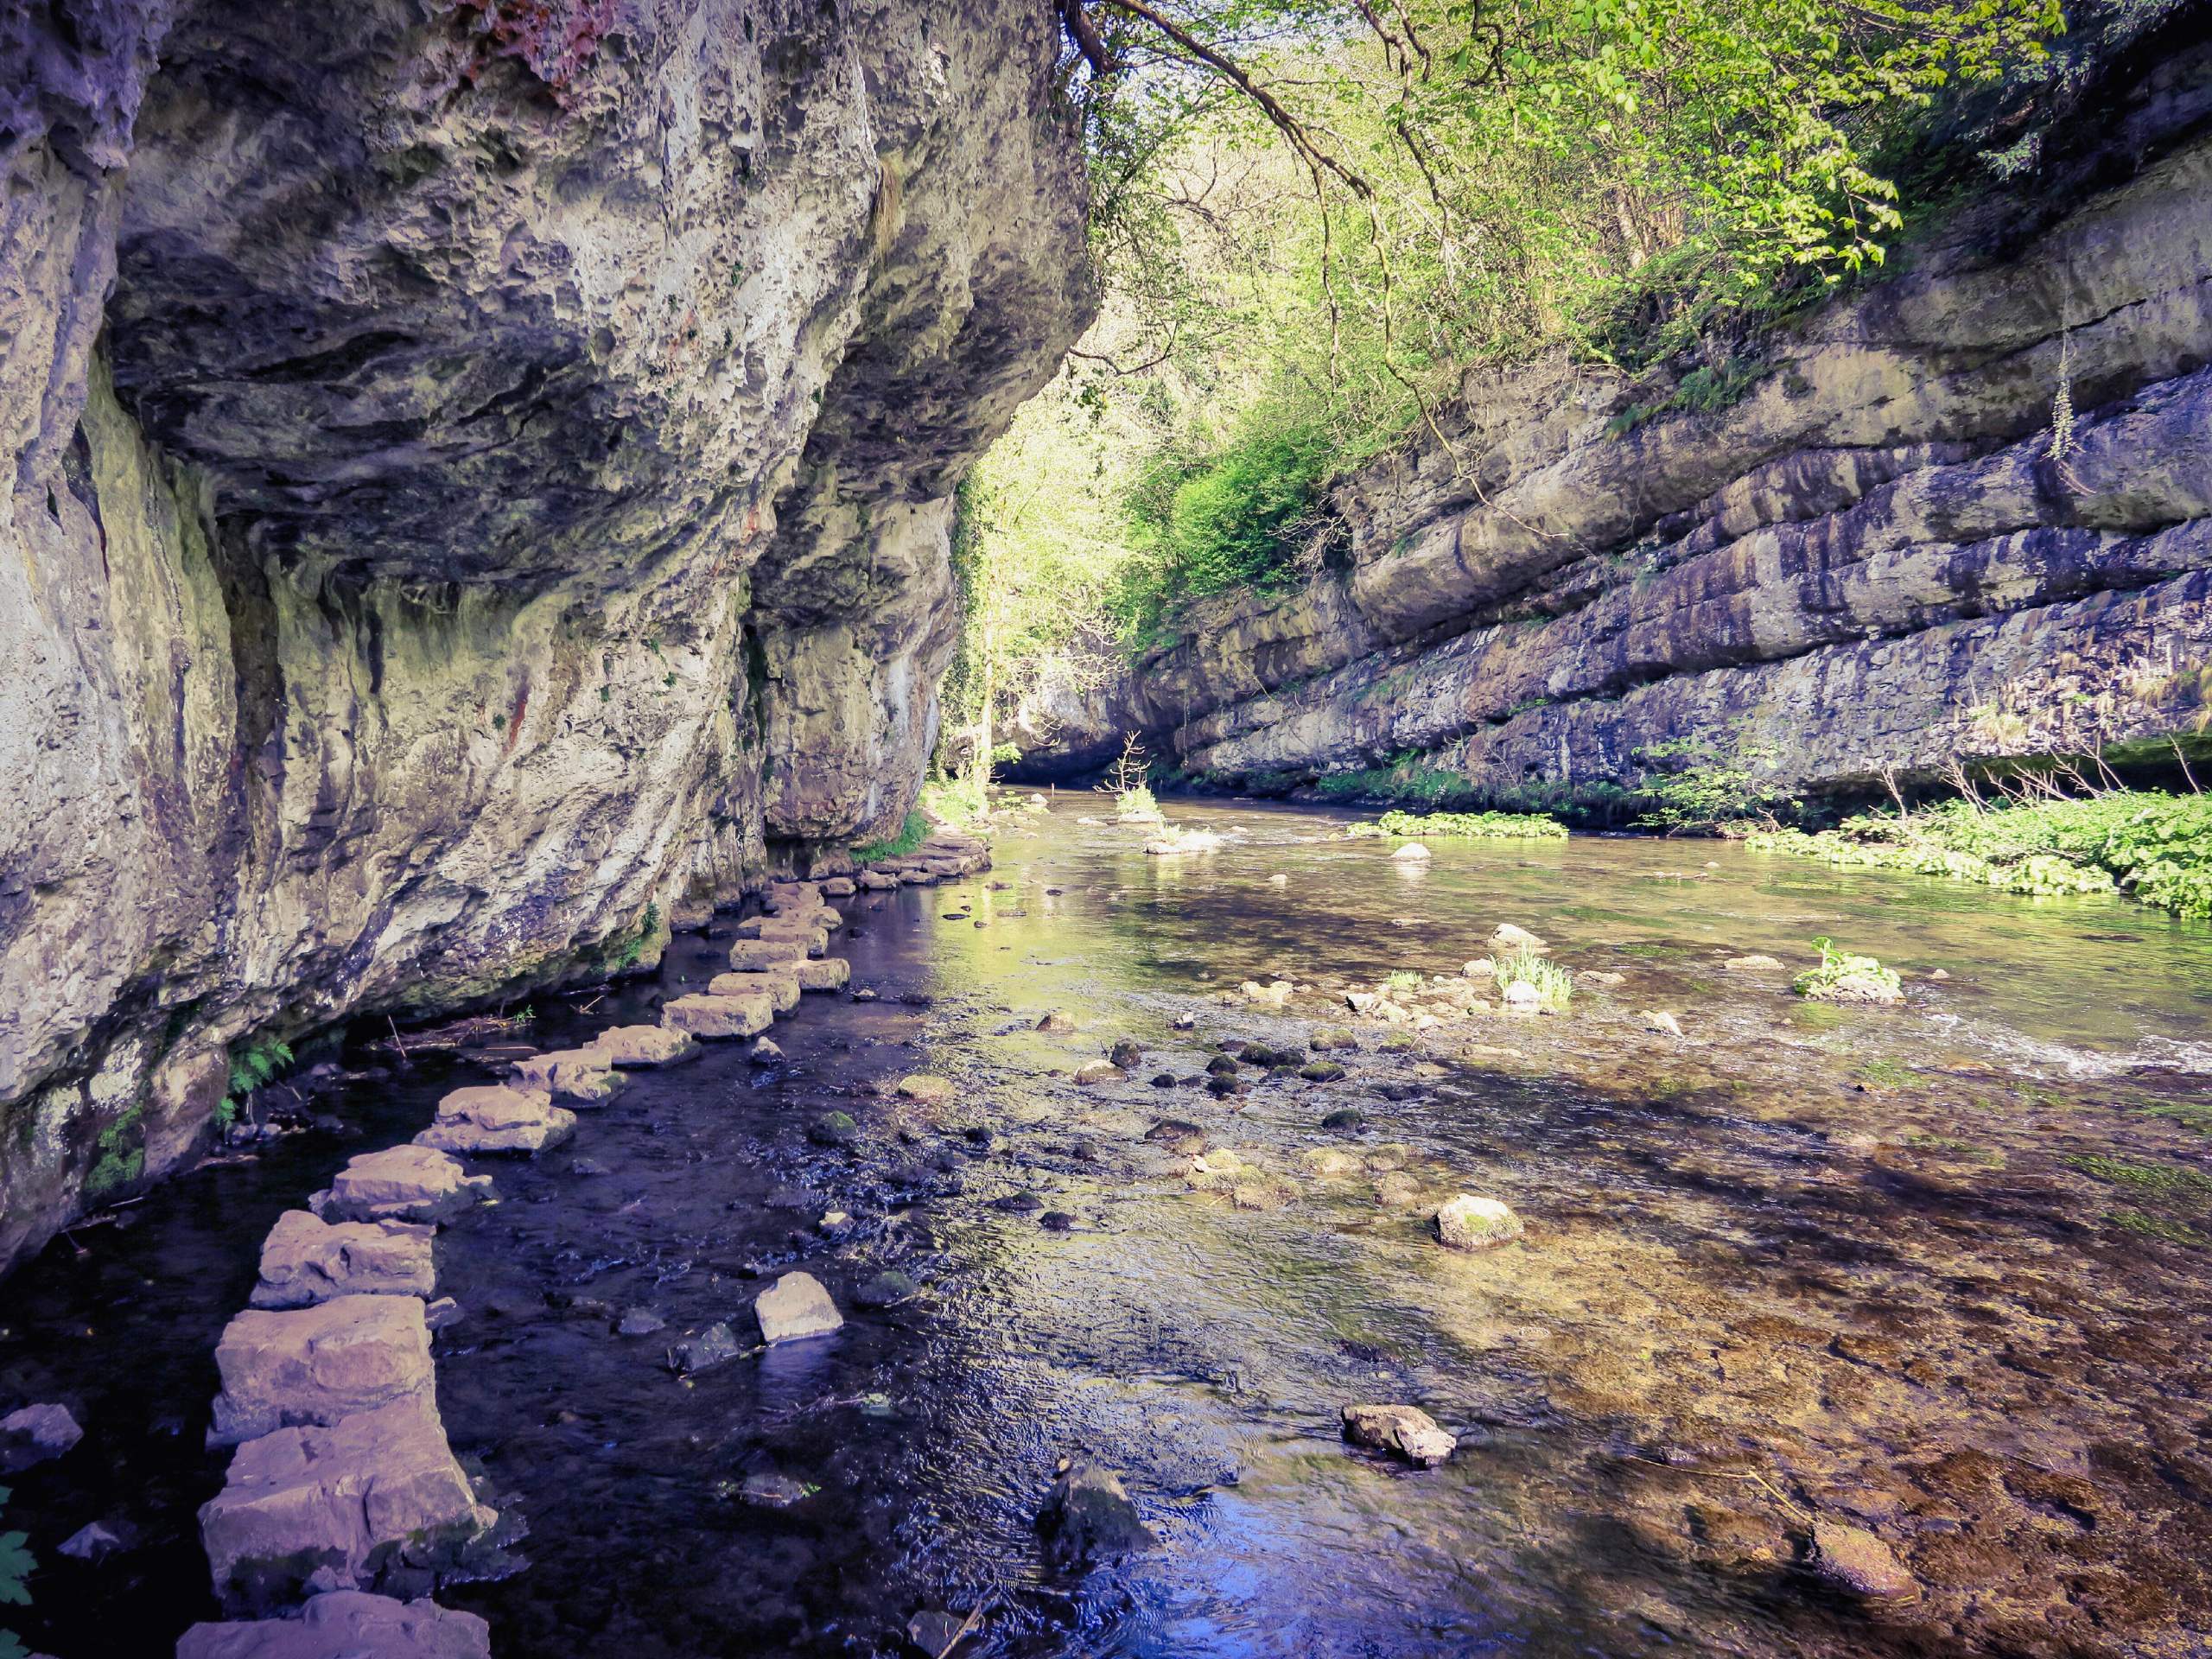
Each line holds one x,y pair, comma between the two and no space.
479,475
1879,559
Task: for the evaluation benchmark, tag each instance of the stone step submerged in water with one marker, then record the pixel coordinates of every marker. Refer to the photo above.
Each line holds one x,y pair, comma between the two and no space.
722,1016
347,1624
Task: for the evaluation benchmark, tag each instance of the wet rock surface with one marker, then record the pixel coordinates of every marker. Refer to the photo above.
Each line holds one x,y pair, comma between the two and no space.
347,1624
306,1260
318,1363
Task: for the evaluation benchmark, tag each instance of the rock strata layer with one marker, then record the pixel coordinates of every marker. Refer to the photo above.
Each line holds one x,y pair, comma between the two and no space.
1964,514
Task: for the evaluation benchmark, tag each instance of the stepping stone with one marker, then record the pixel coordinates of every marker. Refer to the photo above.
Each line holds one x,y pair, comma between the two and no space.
306,1260
803,929
726,1015
628,1045
795,1307
780,988
317,1365
347,1624
495,1118
319,1503
765,956
876,881
579,1073
406,1183
837,886
831,974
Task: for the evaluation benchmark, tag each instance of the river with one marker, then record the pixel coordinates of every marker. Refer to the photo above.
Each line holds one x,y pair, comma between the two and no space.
1937,1271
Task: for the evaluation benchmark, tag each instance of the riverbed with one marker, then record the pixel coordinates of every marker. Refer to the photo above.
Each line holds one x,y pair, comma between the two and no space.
1939,1272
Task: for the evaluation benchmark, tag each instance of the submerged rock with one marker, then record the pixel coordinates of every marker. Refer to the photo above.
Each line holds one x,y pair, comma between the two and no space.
773,1492
1412,853
717,1345
1321,1072
764,1051
1660,1020
926,1090
347,1624
306,1260
1466,1223
1125,1054
1506,936
35,1434
1344,1118
1854,1560
834,1129
1088,1518
1405,1430
887,1289
1755,963
795,1307
90,1542
1177,1136
318,1364
640,1322
321,1504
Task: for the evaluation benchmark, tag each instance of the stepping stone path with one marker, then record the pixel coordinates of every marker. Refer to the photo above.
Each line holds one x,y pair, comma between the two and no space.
329,1394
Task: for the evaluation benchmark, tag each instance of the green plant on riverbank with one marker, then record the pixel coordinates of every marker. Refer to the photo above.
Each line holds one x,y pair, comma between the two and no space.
1696,789
1842,977
1553,984
911,835
260,1063
1478,826
624,956
2156,848
1409,779
16,1565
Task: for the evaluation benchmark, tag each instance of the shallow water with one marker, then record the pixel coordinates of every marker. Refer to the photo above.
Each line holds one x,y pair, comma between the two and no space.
1802,1260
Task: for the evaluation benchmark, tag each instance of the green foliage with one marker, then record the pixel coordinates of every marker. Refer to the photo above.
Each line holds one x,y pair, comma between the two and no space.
1553,984
912,834
16,1565
2164,1180
259,1063
1707,389
2158,848
1410,777
1842,977
1696,789
1403,980
122,1155
621,955
1136,805
962,801
1480,826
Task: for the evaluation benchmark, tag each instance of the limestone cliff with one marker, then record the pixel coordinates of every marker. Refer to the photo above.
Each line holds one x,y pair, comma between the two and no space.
481,476
1877,558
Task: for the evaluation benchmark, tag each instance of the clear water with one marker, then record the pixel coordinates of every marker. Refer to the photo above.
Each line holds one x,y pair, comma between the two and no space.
1804,1260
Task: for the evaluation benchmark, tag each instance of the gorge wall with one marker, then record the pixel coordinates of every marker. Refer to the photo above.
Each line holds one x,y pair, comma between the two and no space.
1874,559
480,477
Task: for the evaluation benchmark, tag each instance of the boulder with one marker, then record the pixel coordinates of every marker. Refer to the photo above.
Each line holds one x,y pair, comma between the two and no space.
641,1046
1660,1020
1412,853
1327,1162
306,1260
1757,962
320,1502
1854,1560
584,1074
720,1016
876,880
802,930
1125,1054
90,1542
406,1183
830,973
887,1289
35,1434
496,1118
837,886
795,1307
764,1051
347,1624
1507,936
1088,1518
1099,1071
319,1363
1471,1224
1321,1072
765,956
1405,1430
781,987
1326,1037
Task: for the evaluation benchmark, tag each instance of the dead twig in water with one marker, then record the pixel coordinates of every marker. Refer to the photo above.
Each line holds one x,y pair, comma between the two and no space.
961,1635
396,1043
1754,1478
588,1007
